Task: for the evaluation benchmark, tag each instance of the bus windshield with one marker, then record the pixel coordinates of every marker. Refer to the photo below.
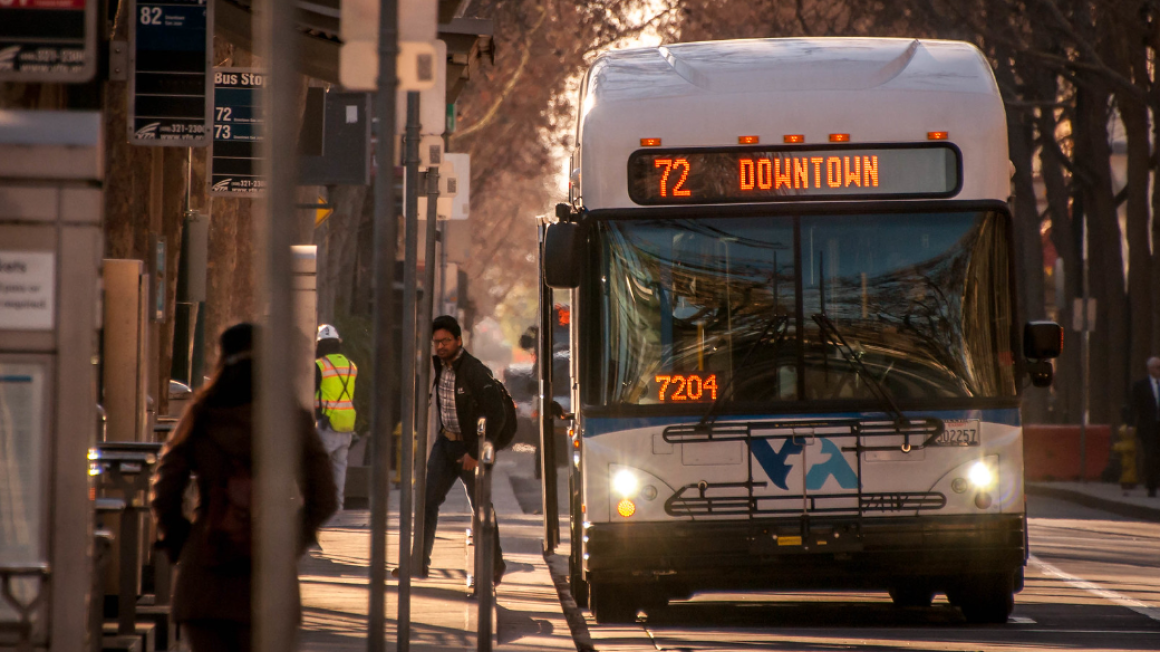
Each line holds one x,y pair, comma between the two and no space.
731,309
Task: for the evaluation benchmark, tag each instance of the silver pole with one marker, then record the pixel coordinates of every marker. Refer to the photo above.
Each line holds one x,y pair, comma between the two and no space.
275,574
484,540
547,423
1085,356
423,430
385,242
407,434
442,305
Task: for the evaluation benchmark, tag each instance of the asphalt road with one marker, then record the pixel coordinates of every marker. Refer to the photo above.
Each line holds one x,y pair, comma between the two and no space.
1093,584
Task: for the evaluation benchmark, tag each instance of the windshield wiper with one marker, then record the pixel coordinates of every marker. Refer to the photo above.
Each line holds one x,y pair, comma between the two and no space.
830,333
779,323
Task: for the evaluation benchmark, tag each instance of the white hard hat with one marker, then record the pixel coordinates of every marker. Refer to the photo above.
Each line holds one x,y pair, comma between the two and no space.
327,332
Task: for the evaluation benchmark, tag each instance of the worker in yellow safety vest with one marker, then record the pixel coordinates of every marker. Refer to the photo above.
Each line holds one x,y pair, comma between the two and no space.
334,377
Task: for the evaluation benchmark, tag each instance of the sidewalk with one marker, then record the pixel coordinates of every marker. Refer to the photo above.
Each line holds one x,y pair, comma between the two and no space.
1133,503
529,615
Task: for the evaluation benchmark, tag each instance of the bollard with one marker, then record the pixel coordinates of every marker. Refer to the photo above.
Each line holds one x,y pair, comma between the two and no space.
484,540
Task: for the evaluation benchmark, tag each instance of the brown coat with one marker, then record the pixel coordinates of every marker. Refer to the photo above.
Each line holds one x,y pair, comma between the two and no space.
199,446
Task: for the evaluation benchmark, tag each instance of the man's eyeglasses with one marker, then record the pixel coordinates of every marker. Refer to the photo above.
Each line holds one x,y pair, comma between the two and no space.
443,341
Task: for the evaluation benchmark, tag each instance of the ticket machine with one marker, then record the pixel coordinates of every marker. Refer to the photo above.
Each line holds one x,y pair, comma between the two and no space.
51,169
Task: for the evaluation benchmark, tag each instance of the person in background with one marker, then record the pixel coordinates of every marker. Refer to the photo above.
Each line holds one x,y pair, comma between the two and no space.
1146,417
334,378
465,390
214,442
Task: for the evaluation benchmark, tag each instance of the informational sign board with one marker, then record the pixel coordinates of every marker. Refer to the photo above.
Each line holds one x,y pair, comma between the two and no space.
359,55
23,437
346,152
27,290
432,100
170,86
48,40
769,174
234,164
461,205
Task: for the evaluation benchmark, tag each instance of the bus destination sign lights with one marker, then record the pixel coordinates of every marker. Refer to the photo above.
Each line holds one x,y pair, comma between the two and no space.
773,174
169,82
235,163
48,40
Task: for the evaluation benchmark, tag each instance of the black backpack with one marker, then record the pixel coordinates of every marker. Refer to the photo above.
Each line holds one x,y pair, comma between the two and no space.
507,431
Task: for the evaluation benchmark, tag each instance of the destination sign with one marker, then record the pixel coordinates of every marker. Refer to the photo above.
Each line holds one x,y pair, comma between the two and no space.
238,130
685,388
772,174
48,40
169,81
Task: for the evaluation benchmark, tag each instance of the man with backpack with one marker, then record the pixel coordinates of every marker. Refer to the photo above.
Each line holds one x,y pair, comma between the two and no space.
334,377
464,391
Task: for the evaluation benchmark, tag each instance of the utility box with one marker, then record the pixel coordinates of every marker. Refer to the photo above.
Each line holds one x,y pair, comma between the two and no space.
125,350
51,169
305,268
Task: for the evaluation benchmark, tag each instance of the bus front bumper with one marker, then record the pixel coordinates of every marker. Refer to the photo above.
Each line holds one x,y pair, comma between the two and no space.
833,553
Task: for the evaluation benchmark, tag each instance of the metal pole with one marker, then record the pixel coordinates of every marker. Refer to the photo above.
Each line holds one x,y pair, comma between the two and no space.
484,540
275,576
443,276
407,434
385,242
1085,356
547,425
422,431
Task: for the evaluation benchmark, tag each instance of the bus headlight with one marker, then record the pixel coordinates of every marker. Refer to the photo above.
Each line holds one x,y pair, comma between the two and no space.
983,474
625,483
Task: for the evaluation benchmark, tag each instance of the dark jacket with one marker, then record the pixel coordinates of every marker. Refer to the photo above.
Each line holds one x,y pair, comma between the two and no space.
200,445
476,394
1144,410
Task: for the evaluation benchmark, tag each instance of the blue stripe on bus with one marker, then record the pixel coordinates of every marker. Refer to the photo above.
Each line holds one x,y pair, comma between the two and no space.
601,426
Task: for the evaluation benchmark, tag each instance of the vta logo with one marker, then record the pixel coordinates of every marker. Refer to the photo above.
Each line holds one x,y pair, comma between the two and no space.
776,467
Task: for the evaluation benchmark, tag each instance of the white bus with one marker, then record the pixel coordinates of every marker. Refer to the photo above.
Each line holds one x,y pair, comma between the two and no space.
795,363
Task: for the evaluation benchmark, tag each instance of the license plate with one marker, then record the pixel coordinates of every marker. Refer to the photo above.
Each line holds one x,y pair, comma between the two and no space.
959,433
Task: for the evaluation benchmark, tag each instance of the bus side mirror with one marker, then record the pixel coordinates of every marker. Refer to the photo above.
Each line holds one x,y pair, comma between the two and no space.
1042,341
563,255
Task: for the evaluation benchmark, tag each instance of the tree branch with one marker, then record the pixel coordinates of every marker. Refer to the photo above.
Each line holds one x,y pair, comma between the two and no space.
493,110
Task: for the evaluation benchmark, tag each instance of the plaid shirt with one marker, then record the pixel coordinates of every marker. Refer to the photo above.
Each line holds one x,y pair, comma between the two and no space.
446,394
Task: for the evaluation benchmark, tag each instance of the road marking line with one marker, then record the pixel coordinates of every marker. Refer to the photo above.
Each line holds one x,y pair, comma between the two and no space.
1141,608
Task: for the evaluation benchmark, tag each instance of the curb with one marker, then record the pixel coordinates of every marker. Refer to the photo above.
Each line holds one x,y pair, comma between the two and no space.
1116,507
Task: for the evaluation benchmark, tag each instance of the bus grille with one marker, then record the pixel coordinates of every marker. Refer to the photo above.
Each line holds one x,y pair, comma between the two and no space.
693,500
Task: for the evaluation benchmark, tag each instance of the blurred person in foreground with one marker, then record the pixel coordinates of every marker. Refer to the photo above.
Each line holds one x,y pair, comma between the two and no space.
1146,417
214,441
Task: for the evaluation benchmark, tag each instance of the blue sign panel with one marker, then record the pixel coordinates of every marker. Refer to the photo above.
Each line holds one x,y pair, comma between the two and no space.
238,129
169,81
48,40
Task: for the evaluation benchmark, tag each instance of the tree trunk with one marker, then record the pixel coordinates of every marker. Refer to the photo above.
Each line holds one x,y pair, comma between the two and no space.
1105,255
1140,289
1068,383
229,274
338,252
1155,343
1132,62
1028,244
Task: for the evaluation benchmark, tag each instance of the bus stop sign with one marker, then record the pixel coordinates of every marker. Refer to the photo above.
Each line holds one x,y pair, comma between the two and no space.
237,133
170,87
48,40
